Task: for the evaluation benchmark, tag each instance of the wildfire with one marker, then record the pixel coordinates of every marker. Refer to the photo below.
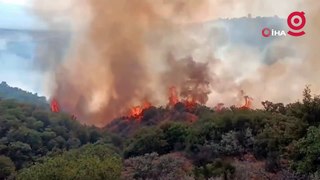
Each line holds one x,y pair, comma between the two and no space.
248,103
190,103
173,96
136,112
54,106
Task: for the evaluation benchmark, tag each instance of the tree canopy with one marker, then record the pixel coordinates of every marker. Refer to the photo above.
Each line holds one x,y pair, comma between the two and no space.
278,142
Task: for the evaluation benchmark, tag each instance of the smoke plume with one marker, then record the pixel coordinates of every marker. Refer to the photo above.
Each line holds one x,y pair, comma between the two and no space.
125,52
284,80
111,66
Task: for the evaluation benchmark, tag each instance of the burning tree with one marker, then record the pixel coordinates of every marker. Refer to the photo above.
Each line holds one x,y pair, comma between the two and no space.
195,91
54,106
173,96
248,103
136,112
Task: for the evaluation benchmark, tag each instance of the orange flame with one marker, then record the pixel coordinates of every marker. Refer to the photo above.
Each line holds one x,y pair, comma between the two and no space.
54,106
190,103
248,103
136,112
173,96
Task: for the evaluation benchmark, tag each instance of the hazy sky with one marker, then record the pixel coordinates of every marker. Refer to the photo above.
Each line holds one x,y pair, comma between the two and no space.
15,69
18,2
14,15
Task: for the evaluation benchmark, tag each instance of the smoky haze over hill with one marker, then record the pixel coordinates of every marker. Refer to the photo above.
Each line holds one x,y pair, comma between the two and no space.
244,31
44,51
140,89
25,53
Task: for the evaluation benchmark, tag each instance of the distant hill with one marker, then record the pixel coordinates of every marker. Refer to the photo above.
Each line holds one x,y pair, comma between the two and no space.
19,95
245,32
241,31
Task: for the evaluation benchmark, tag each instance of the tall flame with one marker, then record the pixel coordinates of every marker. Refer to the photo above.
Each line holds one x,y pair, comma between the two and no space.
190,102
173,96
136,112
248,103
54,106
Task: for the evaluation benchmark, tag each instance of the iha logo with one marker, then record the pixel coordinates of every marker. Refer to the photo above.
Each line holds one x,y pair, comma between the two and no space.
296,22
266,32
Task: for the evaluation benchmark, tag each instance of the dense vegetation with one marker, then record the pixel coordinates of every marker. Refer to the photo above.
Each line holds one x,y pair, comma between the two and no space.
279,142
87,162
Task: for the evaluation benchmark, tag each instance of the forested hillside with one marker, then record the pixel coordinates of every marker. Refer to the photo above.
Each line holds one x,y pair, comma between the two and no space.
279,142
19,95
